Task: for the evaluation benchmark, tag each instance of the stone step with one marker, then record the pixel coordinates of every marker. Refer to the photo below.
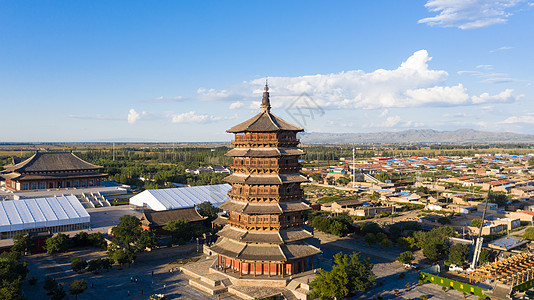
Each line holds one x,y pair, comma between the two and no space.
207,288
293,285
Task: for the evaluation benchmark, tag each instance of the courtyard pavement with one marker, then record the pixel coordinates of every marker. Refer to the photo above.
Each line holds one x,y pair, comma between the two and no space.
117,283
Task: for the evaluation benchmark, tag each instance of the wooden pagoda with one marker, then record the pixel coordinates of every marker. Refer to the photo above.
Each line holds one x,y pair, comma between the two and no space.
265,232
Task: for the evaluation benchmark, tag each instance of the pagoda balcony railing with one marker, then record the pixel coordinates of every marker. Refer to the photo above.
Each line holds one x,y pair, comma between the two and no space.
265,169
265,143
248,137
273,195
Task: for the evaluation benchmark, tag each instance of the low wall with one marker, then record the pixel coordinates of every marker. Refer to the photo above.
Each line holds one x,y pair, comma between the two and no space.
453,284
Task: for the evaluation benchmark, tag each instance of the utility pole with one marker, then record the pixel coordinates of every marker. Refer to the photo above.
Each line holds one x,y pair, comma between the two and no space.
353,169
113,151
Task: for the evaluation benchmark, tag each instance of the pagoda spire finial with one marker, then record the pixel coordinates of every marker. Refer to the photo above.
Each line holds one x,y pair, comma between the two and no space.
265,102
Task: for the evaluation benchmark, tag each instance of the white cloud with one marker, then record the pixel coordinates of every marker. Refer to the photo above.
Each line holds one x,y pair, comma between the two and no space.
486,67
412,84
388,122
457,115
413,124
193,117
502,48
133,116
488,77
526,119
384,113
236,105
503,97
212,93
168,99
469,14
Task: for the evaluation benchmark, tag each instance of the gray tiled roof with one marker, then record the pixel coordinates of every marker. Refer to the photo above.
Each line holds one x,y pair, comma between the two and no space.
52,161
160,218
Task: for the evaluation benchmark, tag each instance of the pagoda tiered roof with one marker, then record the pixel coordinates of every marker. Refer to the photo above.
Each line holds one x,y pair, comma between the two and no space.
264,122
264,252
261,236
265,179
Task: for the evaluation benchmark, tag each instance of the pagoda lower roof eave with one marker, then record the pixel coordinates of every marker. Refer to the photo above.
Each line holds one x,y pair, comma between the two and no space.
264,252
252,208
272,237
277,179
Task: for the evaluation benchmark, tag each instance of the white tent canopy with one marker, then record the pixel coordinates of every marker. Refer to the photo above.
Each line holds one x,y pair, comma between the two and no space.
164,199
41,213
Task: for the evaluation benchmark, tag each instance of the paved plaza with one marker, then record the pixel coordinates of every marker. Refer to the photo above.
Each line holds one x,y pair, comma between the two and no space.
117,283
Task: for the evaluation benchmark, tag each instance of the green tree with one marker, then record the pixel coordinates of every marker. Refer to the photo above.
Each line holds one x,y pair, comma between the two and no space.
484,256
349,274
370,227
406,242
81,239
58,293
147,239
476,223
444,221
12,273
11,290
458,253
370,239
406,257
120,255
207,210
500,199
531,161
382,176
342,180
434,250
50,284
22,244
77,287
423,189
385,242
77,264
180,230
375,196
529,233
317,177
97,240
94,265
127,231
106,263
58,244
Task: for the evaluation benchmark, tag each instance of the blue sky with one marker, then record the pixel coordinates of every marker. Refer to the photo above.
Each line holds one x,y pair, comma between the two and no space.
186,71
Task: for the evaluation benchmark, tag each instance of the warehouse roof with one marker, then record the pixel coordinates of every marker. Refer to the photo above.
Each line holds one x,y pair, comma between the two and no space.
41,212
164,199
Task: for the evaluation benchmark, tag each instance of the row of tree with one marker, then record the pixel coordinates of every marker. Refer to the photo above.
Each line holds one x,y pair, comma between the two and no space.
340,225
62,243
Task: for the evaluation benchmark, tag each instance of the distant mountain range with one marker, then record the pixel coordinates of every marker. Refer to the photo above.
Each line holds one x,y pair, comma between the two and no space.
417,136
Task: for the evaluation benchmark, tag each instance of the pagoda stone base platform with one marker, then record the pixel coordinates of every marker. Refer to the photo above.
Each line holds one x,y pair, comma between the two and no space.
211,281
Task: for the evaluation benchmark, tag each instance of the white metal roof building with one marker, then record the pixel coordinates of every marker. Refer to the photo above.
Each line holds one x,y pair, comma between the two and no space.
164,199
42,214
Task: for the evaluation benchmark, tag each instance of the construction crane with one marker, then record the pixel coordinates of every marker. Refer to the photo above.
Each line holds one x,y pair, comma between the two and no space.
480,239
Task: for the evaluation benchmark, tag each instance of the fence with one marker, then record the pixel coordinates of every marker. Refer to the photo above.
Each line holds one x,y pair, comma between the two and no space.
453,284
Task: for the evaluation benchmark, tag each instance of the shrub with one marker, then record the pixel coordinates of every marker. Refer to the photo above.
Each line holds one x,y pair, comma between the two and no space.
33,280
